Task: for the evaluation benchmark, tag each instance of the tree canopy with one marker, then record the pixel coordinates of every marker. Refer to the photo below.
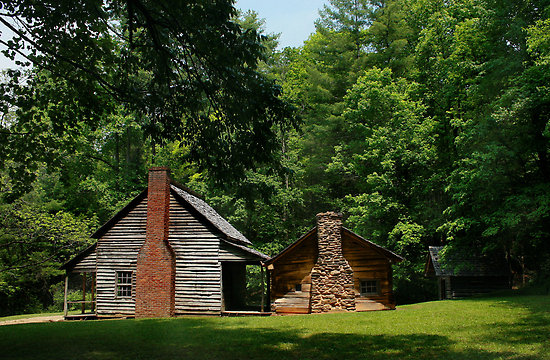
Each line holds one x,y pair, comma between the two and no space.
187,69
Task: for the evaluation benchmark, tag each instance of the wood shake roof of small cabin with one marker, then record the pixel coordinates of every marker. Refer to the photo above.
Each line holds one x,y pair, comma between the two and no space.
462,265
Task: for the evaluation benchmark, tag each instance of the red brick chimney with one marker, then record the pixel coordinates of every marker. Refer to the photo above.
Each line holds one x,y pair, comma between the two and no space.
332,275
155,273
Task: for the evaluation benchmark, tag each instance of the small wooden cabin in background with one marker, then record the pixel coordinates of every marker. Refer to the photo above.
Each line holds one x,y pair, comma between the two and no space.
459,277
166,253
331,268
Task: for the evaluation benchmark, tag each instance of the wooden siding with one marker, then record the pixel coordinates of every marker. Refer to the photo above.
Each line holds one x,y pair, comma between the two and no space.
368,264
291,269
232,253
198,269
117,250
198,260
458,287
86,264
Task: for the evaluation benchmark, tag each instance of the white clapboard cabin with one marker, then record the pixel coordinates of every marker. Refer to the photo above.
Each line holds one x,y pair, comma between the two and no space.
204,263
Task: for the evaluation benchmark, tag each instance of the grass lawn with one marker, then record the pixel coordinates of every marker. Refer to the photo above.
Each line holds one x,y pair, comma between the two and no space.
514,327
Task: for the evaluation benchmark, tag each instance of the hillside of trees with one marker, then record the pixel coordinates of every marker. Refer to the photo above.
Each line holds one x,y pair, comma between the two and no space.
425,122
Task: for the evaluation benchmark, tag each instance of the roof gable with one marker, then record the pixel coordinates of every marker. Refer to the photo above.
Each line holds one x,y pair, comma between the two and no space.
313,232
292,246
119,215
196,203
231,236
381,250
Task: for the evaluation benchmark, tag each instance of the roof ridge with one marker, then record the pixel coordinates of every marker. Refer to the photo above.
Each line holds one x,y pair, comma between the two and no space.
292,245
186,189
211,215
119,214
374,244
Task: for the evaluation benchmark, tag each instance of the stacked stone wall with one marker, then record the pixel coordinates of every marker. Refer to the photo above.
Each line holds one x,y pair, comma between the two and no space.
332,276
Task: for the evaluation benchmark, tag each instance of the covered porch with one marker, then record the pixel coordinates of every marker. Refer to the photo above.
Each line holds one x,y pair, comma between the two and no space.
79,300
245,289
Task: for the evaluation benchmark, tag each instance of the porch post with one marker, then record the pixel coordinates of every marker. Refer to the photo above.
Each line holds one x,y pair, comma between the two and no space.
92,292
263,289
65,305
83,307
268,290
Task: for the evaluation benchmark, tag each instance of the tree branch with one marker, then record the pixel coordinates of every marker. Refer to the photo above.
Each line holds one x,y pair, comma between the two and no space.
14,133
113,90
103,161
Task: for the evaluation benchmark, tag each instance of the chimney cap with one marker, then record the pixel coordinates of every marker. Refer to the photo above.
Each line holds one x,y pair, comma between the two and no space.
160,168
330,214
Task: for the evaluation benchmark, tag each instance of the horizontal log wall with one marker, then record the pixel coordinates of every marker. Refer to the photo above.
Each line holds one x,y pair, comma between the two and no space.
117,250
466,286
232,253
198,269
369,264
294,268
86,264
198,256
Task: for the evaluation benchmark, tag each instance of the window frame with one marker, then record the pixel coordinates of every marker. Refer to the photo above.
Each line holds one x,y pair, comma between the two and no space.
365,293
124,290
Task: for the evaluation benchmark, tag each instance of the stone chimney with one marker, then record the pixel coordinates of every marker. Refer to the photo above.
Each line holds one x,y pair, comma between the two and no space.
155,273
332,276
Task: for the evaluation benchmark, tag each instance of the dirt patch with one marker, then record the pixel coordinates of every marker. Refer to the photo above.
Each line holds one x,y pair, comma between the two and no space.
38,319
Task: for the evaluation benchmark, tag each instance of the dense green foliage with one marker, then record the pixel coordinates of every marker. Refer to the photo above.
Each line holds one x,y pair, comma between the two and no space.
494,328
425,122
184,70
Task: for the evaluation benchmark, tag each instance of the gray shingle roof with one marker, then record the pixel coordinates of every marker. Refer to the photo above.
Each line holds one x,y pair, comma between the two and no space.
211,215
461,265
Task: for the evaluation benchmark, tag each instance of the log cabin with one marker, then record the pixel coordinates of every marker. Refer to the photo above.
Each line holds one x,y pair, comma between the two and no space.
166,253
460,276
329,269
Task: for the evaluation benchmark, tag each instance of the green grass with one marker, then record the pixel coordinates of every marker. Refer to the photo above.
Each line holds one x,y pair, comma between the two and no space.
513,327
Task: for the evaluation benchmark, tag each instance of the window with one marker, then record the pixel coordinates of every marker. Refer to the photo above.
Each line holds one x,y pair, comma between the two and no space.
123,284
369,287
298,287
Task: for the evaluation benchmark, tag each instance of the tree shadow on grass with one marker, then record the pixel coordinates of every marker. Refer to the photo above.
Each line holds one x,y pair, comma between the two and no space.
531,330
207,339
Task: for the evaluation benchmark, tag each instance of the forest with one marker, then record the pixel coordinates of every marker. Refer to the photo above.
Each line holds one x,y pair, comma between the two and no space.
424,122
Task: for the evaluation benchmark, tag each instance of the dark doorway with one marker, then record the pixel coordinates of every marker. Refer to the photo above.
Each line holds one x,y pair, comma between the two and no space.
234,286
442,289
